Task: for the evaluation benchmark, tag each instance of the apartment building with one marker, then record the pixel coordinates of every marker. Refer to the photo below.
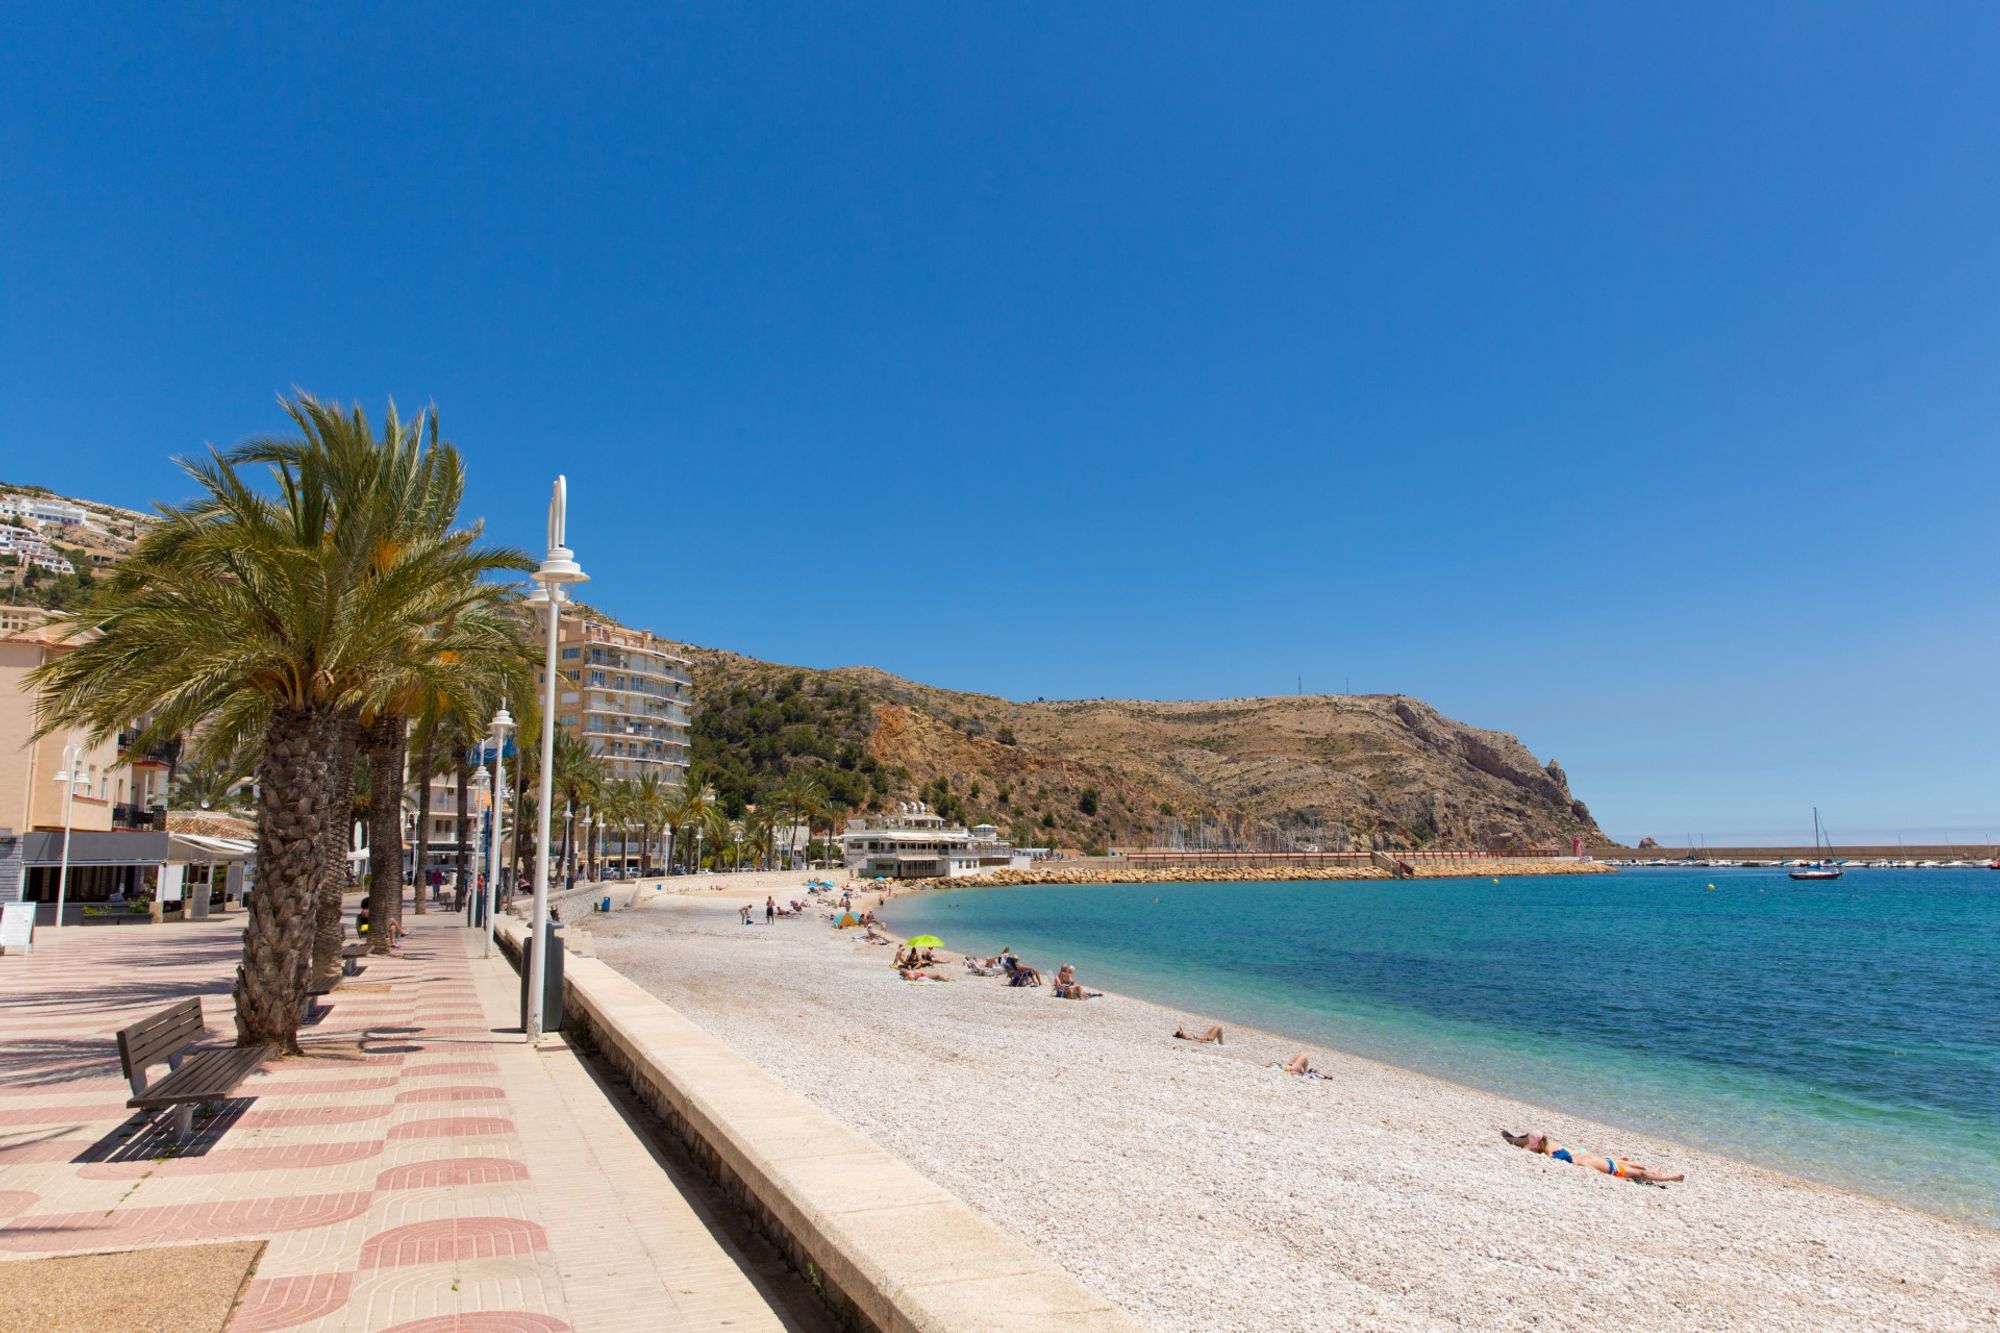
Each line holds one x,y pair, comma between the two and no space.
26,547
43,509
627,695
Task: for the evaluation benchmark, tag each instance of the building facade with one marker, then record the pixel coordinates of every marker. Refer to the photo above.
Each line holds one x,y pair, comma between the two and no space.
43,509
27,548
113,798
626,695
913,843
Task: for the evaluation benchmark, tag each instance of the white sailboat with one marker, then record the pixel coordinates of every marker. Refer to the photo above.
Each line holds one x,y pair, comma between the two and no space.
1824,867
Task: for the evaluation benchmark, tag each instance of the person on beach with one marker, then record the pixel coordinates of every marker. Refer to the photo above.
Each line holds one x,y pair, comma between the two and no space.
1300,1064
1537,1142
1018,972
770,909
1213,1034
744,912
1066,987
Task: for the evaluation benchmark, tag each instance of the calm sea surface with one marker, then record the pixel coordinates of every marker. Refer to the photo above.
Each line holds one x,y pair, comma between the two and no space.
1846,1031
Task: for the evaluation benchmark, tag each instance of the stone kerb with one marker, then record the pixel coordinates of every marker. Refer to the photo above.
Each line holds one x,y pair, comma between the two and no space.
885,1245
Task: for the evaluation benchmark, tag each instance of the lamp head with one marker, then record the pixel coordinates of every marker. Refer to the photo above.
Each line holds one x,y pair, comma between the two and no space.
559,566
503,722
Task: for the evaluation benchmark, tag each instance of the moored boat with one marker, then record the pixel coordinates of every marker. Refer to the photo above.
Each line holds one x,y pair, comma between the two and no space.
1825,867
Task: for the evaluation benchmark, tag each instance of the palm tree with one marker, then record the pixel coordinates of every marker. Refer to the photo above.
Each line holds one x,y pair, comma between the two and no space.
266,616
799,798
714,829
394,502
690,815
212,782
616,808
650,803
759,825
577,776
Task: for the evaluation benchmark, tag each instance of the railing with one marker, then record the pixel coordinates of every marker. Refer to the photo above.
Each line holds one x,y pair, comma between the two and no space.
138,817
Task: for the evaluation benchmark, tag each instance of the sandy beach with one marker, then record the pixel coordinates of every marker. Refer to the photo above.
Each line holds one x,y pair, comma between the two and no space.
1200,1189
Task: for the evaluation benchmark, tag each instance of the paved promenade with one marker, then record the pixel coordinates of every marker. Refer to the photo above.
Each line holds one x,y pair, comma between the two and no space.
420,1168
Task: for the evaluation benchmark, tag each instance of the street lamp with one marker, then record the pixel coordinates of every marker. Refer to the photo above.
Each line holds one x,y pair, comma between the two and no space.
583,841
558,570
503,723
70,774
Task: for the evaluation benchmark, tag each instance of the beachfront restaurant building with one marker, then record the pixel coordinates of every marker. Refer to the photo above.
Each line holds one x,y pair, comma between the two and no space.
913,843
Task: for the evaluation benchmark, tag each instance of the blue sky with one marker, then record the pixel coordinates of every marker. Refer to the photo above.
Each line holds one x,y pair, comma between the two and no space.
1623,381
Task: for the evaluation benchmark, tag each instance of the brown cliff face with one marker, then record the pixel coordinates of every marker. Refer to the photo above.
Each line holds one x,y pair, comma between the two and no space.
1384,769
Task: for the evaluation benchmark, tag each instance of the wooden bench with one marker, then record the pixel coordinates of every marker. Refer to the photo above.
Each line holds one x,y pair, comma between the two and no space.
315,987
195,1077
351,956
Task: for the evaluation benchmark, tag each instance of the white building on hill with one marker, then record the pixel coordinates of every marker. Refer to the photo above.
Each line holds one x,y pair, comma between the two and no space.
913,843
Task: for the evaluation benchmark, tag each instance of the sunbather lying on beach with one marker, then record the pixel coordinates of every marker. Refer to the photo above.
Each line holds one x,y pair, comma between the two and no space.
1537,1142
1213,1034
1066,987
1301,1065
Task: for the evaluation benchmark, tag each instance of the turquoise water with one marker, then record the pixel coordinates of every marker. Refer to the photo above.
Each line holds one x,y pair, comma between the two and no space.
1846,1031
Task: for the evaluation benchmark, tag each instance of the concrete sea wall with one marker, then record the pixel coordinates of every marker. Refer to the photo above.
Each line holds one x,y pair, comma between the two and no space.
885,1246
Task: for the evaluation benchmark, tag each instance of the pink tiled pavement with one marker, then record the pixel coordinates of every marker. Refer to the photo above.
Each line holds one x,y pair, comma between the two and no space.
390,1169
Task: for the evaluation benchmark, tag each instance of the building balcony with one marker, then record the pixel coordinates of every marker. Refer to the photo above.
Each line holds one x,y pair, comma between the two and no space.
138,817
167,752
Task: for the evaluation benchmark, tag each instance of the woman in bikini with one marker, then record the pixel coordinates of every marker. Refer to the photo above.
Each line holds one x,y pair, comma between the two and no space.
1537,1142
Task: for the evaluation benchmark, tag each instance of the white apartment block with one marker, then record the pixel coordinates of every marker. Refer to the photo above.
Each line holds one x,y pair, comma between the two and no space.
24,546
35,509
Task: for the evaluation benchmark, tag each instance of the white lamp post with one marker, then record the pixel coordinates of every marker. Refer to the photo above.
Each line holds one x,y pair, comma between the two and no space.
558,570
583,841
503,723
69,775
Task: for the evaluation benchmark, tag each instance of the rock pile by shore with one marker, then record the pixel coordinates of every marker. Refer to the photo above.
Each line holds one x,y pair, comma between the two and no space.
1075,874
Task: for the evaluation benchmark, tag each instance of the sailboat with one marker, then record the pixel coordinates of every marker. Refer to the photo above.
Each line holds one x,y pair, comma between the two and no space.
1824,867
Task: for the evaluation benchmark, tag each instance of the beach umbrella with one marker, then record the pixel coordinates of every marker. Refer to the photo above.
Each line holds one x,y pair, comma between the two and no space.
925,942
846,919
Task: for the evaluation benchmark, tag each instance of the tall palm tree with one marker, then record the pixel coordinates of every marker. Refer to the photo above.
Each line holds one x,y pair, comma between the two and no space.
394,503
759,825
577,775
269,616
690,815
799,797
616,803
650,802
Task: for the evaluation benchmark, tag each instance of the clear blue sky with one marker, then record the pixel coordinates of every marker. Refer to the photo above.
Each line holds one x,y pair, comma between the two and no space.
1625,382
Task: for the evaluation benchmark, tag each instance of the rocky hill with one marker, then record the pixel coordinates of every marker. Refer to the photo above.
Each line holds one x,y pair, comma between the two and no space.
1379,770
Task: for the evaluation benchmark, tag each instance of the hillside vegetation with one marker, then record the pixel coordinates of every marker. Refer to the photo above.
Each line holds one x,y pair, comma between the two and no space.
1379,770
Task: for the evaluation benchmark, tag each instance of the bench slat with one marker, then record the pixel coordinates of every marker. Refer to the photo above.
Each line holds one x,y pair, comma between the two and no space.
322,985
157,1036
206,1075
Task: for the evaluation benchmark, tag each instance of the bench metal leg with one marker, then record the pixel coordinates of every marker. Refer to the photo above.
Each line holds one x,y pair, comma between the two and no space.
184,1122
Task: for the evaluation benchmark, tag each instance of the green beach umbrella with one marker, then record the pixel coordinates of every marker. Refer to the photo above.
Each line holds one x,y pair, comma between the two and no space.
926,942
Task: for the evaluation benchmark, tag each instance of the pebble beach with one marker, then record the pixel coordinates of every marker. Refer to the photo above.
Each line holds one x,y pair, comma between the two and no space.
1199,1188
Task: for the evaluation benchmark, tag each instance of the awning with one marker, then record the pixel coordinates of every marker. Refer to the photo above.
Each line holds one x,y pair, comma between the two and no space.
200,847
94,849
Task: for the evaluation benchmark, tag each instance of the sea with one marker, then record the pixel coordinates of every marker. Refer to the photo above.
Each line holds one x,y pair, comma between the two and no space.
1847,1031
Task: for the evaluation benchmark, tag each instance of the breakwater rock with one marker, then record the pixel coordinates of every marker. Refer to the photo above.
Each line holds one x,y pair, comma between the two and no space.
1251,874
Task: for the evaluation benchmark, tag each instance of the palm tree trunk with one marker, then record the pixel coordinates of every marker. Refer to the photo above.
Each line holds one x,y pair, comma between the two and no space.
340,816
645,848
464,818
423,863
387,741
292,791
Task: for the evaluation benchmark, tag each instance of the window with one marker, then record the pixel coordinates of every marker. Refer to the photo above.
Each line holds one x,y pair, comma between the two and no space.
572,652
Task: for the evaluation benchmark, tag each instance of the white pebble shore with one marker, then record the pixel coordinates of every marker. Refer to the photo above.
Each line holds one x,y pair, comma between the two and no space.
1201,1190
